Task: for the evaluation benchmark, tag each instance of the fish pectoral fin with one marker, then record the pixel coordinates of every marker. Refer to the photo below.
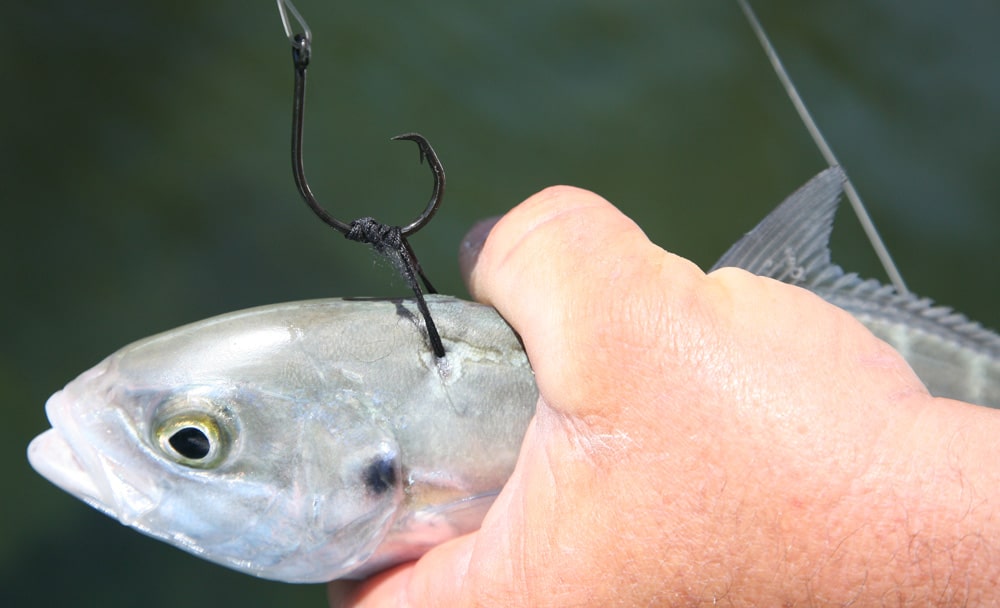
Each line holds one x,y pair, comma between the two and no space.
792,244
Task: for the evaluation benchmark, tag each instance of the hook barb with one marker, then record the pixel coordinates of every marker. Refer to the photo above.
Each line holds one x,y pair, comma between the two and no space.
426,152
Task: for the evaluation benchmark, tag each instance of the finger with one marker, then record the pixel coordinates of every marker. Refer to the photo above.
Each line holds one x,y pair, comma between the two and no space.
436,579
559,267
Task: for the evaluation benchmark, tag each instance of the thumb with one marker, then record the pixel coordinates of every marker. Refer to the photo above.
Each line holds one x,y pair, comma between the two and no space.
560,267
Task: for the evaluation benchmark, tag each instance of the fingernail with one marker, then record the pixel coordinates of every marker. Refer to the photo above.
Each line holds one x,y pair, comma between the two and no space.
472,244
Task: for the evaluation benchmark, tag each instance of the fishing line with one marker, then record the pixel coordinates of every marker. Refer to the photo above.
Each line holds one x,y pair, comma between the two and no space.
852,195
387,240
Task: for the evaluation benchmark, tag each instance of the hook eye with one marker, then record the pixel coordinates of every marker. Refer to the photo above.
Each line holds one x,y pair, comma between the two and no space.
299,41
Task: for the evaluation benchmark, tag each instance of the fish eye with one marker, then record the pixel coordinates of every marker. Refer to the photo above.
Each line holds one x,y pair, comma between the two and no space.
192,439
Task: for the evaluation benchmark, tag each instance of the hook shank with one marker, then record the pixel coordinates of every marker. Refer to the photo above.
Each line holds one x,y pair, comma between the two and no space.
389,241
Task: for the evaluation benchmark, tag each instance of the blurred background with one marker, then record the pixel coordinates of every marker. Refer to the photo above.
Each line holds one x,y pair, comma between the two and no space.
147,182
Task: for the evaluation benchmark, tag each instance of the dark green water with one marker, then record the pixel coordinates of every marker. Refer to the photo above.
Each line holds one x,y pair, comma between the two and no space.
146,179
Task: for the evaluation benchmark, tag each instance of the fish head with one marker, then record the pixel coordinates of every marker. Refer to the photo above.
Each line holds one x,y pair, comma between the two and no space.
209,438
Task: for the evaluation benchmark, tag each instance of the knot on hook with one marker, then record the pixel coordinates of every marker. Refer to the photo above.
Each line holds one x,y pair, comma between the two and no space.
390,242
383,238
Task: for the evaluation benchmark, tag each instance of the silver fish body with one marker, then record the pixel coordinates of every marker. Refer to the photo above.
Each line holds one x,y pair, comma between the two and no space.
301,442
953,356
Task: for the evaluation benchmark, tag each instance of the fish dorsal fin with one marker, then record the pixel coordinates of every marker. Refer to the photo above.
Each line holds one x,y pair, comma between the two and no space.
792,244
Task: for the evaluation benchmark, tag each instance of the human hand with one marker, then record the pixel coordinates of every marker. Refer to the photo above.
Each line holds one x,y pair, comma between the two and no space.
720,438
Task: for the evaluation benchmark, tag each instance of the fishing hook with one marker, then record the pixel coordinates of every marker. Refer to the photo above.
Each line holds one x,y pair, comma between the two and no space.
389,241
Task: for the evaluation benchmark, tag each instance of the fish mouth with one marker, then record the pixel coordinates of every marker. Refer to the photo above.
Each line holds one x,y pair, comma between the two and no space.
53,456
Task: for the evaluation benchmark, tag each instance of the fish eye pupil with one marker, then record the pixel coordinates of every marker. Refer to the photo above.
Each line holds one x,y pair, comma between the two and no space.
191,442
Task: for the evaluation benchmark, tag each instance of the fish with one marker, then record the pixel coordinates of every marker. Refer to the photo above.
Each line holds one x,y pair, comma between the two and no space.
310,441
300,442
